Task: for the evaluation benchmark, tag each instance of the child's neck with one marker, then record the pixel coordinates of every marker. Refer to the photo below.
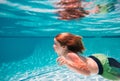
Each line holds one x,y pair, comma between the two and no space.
65,53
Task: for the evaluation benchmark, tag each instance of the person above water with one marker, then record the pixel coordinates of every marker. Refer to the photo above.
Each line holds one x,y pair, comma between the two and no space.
69,48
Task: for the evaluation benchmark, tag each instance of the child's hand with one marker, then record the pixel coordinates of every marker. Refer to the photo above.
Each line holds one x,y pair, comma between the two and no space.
61,60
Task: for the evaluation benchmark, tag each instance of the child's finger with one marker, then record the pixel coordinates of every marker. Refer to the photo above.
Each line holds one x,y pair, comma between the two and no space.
58,59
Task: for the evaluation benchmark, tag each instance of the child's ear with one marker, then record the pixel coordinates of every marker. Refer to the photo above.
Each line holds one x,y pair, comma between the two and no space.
65,47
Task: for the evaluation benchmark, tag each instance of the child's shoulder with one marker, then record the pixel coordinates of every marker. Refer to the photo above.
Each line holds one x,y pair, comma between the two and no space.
72,56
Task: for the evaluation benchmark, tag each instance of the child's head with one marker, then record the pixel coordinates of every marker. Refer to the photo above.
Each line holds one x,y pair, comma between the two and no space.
72,42
71,14
69,1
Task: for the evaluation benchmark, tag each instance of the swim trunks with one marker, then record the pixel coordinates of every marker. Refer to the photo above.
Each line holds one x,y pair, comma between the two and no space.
106,8
105,68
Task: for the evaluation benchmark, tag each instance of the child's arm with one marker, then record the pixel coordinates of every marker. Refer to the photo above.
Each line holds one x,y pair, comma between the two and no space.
87,4
73,62
94,10
77,64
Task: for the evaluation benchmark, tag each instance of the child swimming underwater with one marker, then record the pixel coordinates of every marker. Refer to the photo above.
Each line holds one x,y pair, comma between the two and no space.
68,47
73,9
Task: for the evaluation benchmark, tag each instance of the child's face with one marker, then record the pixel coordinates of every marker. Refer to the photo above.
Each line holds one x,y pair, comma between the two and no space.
58,48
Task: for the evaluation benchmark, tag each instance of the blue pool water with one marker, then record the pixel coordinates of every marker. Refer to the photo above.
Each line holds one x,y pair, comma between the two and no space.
27,29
